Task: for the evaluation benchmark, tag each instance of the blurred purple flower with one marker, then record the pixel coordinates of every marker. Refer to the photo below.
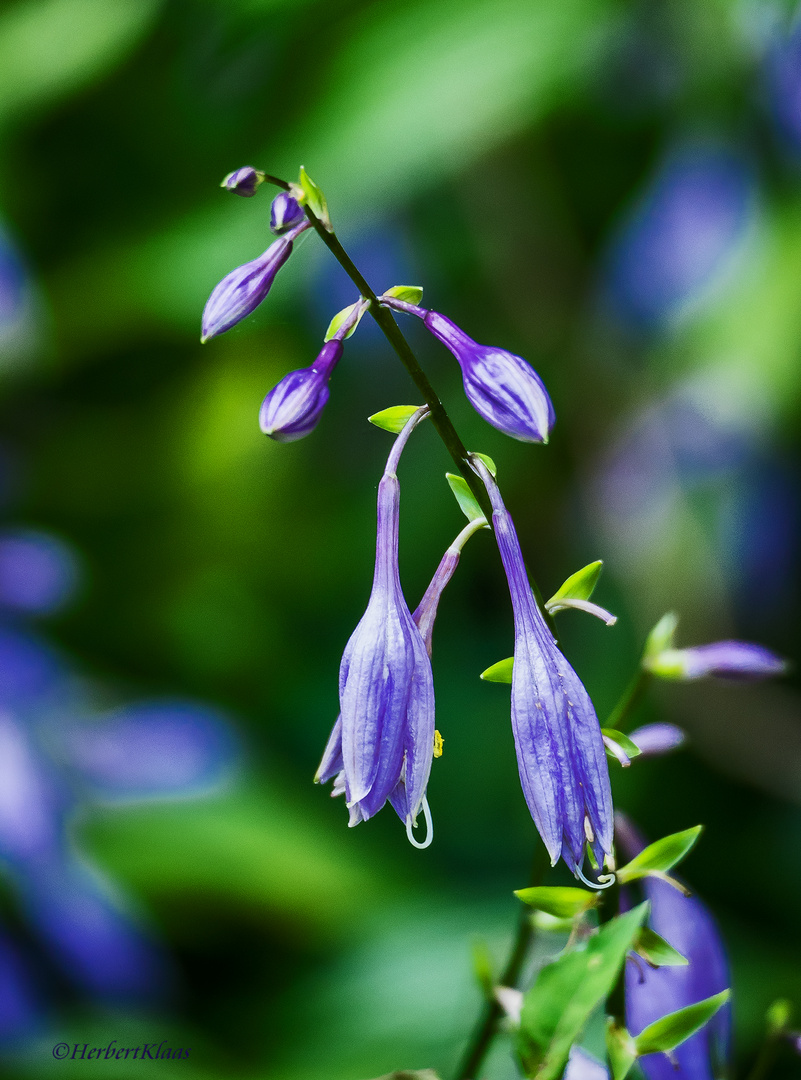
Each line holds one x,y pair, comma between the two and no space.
38,572
241,291
735,660
30,672
32,801
682,235
687,925
293,408
583,1066
560,750
386,688
653,740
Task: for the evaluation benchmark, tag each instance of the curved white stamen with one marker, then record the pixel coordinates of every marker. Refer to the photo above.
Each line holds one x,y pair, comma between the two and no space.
605,881
429,827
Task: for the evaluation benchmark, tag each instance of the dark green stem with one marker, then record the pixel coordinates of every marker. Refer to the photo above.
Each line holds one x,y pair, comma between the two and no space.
487,1024
766,1058
621,714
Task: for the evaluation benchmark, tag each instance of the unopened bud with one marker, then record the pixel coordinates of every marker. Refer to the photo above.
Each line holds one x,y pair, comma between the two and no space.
293,408
285,213
245,181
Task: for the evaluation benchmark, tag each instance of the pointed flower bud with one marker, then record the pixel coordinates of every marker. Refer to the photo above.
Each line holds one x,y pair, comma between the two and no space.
293,408
560,751
241,291
653,740
386,689
245,181
733,660
285,213
503,388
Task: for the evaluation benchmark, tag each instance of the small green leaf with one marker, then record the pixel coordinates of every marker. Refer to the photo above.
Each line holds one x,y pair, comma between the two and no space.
624,742
482,968
314,198
778,1016
660,856
562,902
579,586
465,497
661,637
500,672
410,294
671,1031
493,468
657,951
620,1048
393,419
342,317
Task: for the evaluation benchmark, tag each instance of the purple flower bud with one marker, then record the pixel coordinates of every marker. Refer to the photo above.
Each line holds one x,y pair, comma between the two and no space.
503,388
241,291
293,408
244,181
734,660
285,213
653,740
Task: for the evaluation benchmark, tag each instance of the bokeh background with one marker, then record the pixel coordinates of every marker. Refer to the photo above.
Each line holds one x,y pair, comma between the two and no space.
612,190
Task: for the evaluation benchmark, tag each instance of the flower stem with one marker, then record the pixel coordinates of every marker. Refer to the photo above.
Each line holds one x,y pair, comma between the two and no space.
765,1059
487,1023
620,716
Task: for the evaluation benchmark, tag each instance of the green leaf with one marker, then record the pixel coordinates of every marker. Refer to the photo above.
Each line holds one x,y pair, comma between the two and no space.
579,586
620,1048
314,198
341,317
661,637
660,856
568,990
500,672
493,468
465,497
562,902
482,968
657,951
672,1030
410,294
624,742
393,419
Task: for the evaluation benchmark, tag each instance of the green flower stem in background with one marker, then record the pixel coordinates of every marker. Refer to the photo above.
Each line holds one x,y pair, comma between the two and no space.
620,717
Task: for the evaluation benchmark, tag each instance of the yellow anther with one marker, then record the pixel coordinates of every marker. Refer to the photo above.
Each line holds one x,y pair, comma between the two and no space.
438,741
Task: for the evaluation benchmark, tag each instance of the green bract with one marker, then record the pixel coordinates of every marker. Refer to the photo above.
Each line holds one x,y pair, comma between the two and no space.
579,586
562,902
393,419
465,497
657,951
410,294
660,856
500,672
671,1031
341,317
314,198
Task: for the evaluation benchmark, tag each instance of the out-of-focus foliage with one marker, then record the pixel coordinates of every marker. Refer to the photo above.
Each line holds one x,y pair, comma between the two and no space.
610,190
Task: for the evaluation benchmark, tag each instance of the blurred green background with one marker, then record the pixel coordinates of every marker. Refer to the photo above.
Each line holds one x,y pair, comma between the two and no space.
611,190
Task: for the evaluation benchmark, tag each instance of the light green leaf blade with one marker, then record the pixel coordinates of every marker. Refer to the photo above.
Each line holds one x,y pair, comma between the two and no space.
581,585
314,198
562,902
340,318
410,294
393,419
672,1030
621,1050
660,856
567,991
500,672
465,497
657,951
493,468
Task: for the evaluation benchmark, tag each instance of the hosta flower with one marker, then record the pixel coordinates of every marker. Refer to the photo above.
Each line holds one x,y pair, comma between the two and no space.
241,291
293,408
285,213
653,740
651,993
386,689
244,181
503,388
560,751
734,660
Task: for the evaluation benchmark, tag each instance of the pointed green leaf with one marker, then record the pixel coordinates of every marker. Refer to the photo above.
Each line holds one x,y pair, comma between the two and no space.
342,317
465,497
410,294
314,198
562,902
621,1050
657,951
579,586
660,856
661,637
493,468
568,990
624,742
393,419
500,672
671,1031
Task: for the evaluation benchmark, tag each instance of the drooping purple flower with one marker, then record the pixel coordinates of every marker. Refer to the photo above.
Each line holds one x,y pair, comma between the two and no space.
560,750
386,690
38,572
503,388
245,181
653,740
688,926
293,408
738,661
285,213
241,291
